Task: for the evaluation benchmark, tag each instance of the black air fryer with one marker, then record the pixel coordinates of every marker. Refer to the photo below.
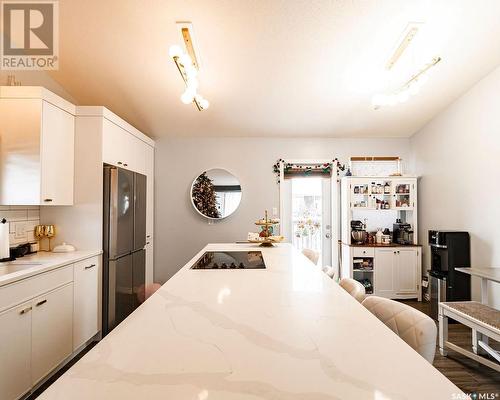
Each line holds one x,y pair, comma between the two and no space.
449,250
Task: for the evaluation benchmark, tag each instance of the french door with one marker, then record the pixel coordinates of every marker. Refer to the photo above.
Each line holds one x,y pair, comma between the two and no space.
307,215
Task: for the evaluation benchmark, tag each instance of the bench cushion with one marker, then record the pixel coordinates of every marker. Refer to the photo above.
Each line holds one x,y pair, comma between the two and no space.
478,311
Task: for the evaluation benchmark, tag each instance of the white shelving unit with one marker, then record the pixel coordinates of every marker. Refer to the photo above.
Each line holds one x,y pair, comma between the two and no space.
393,271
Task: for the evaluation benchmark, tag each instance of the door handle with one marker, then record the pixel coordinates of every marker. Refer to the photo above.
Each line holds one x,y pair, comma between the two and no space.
25,310
90,266
41,302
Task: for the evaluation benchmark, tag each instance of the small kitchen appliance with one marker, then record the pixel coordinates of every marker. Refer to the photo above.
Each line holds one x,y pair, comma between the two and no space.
358,232
449,250
402,233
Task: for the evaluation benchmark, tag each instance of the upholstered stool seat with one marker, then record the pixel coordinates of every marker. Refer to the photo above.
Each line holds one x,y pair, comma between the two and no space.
418,330
311,255
354,288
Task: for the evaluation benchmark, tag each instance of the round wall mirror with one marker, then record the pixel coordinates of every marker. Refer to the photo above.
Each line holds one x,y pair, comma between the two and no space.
216,193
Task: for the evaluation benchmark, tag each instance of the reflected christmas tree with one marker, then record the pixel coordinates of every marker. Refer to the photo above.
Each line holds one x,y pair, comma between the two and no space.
204,197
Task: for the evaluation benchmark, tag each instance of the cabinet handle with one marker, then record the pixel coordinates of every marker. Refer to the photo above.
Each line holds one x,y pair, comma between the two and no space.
47,200
119,163
25,310
41,303
147,242
90,266
125,165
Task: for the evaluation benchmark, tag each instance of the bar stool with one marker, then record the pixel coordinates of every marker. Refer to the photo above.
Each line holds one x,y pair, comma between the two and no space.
354,288
414,327
311,255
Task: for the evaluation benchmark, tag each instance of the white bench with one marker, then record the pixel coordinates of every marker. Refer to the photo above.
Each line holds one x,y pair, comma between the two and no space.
484,322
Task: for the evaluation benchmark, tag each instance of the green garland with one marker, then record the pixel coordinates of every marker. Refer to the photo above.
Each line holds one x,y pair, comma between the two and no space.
308,169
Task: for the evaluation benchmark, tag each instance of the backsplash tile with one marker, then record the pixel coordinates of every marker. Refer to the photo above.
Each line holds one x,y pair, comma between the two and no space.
23,220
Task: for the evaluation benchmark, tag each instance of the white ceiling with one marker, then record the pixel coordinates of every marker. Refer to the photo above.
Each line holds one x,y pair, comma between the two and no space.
274,68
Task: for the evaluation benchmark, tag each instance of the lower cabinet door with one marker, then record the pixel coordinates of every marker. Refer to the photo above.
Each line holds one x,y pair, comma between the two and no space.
385,274
15,351
86,307
407,271
52,330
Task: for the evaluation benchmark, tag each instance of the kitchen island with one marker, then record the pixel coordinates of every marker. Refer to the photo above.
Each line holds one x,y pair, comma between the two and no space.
283,332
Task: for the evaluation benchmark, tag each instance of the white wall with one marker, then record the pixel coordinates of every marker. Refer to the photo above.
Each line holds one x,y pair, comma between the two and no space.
180,232
457,156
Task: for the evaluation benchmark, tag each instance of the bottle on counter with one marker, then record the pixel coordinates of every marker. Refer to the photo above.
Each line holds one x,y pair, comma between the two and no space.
387,188
378,236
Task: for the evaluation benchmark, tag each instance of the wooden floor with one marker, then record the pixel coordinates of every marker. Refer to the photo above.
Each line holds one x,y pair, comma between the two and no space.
468,375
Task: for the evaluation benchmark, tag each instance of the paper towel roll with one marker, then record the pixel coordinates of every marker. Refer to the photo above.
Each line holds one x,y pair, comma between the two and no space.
4,239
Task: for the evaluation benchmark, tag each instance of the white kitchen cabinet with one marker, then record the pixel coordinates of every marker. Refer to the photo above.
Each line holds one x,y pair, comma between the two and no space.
119,148
86,301
52,331
385,272
37,131
15,354
407,270
397,272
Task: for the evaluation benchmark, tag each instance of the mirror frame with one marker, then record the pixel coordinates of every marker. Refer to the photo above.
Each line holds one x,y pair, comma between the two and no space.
191,194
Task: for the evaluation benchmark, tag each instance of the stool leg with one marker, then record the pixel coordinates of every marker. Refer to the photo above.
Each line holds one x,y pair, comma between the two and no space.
443,333
475,338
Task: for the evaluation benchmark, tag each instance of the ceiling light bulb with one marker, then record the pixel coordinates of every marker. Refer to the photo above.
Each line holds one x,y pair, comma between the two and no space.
192,84
379,100
187,97
403,96
204,104
174,51
191,71
392,100
185,60
423,79
414,88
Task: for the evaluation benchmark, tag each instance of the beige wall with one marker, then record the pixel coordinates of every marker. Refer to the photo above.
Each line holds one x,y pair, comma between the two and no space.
180,232
457,156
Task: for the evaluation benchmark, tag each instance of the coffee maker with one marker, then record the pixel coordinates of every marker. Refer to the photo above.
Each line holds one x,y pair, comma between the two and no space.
402,233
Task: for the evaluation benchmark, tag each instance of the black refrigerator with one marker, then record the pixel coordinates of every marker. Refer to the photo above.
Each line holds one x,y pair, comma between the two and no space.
124,238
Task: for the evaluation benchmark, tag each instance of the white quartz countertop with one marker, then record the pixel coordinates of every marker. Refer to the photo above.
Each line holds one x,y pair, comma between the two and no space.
490,273
284,332
42,261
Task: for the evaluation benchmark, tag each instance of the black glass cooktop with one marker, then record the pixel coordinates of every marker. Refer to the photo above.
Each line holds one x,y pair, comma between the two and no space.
230,260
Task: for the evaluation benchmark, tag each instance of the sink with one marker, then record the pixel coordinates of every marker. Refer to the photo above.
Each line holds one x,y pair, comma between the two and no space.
16,266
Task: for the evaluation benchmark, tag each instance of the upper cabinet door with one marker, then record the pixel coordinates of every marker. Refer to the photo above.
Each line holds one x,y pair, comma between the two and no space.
404,194
57,156
20,128
36,153
122,149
